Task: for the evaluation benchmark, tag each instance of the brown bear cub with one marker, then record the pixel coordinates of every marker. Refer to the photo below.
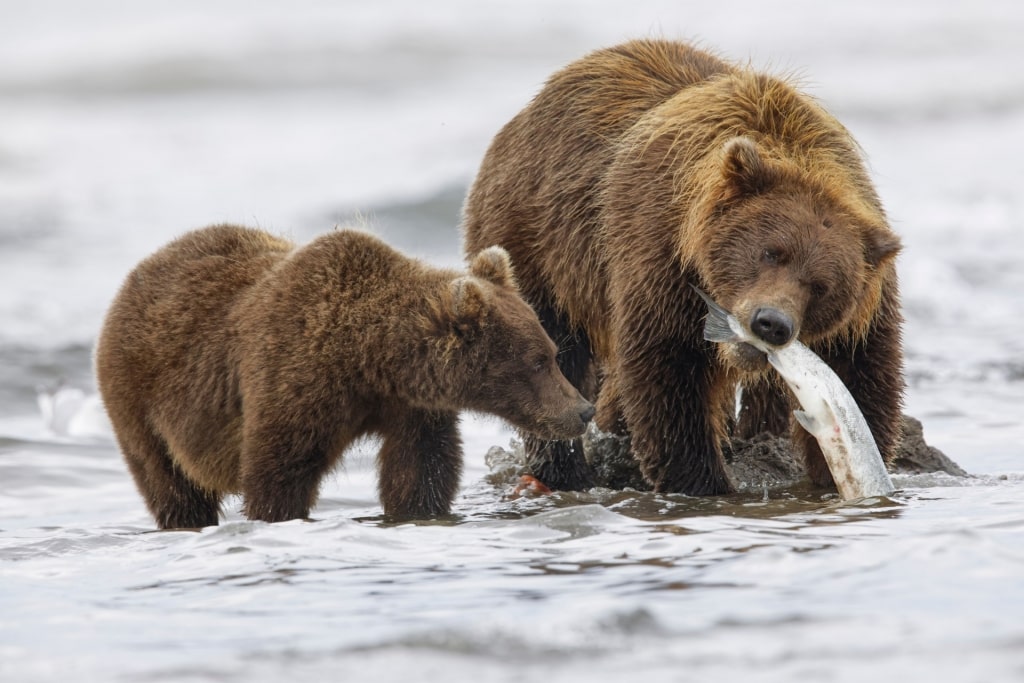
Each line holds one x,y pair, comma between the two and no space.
647,167
232,361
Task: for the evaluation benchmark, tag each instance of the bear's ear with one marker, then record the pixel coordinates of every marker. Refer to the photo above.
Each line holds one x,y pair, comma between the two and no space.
469,299
880,245
494,265
744,168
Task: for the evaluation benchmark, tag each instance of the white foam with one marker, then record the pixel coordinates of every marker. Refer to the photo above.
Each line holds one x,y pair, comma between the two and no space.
75,414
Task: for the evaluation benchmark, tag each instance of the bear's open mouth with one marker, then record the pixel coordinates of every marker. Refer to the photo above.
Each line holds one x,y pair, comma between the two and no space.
749,351
747,358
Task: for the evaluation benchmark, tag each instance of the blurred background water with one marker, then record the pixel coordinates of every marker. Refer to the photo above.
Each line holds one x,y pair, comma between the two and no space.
124,124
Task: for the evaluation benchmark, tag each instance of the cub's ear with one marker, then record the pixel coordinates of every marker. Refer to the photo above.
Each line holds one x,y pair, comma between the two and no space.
744,167
469,299
494,265
880,246
460,310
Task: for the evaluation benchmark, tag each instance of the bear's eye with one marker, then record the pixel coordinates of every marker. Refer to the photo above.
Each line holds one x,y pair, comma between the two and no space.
819,290
826,223
771,256
539,363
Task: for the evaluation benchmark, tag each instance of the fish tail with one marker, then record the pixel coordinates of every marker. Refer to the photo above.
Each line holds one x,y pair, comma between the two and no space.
716,325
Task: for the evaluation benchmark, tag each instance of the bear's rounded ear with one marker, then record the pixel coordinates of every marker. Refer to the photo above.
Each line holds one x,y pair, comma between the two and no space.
880,245
494,265
744,168
469,299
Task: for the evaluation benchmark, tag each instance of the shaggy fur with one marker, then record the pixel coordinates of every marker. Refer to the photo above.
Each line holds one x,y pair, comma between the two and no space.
644,168
233,362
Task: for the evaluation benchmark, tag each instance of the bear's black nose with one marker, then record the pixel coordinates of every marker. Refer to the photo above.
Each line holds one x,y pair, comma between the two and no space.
772,325
587,414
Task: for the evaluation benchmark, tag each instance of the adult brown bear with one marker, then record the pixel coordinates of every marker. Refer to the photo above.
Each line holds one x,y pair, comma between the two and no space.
233,361
647,167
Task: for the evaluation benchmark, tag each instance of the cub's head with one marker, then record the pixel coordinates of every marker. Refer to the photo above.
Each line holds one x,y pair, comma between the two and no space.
498,356
794,251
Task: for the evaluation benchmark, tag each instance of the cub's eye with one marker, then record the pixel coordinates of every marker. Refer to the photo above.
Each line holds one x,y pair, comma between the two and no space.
826,223
771,255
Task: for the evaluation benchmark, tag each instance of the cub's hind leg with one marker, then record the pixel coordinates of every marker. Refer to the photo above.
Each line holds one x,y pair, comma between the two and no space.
175,501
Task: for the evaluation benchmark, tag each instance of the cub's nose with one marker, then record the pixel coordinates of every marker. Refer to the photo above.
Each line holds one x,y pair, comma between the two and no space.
587,414
772,325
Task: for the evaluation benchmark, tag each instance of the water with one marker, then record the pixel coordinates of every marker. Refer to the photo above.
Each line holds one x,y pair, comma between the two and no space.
123,125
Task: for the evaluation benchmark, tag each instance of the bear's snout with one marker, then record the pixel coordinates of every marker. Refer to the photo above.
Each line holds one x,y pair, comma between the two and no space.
772,325
571,423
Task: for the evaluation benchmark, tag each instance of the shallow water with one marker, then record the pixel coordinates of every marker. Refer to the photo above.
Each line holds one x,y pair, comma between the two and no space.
122,126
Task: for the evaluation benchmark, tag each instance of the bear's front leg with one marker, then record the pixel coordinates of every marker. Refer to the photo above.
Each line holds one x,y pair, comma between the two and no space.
675,417
419,464
764,408
562,465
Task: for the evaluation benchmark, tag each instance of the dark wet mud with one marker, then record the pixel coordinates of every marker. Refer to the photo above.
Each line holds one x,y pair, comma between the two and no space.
762,462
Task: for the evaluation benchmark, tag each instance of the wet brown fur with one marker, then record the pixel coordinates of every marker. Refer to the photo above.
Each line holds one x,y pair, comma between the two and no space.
232,361
644,168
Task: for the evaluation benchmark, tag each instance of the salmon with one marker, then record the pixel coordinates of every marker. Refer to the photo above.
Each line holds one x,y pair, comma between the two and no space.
829,413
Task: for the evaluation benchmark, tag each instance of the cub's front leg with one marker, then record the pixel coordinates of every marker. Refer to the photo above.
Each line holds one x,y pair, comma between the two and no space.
420,463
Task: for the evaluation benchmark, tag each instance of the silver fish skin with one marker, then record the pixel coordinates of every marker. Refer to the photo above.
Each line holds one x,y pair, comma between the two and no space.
830,414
